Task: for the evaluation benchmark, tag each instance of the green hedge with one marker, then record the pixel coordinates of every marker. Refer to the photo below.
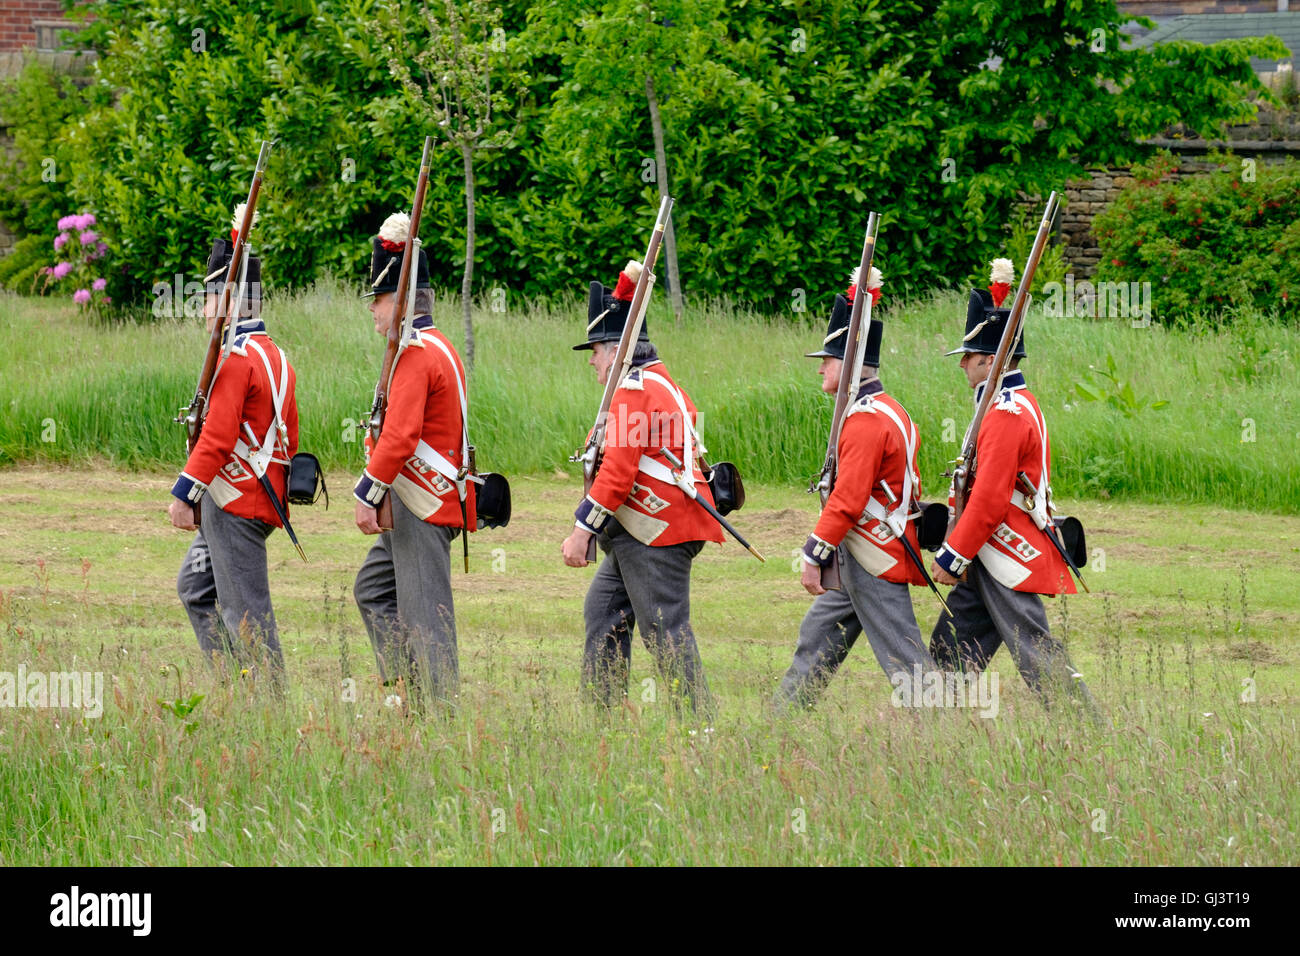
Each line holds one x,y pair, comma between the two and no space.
784,124
1207,243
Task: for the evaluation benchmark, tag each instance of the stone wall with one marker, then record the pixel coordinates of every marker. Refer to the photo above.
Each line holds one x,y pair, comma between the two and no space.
1271,139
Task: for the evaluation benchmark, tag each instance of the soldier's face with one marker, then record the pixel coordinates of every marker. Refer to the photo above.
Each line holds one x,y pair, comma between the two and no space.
602,358
829,370
381,310
976,367
210,310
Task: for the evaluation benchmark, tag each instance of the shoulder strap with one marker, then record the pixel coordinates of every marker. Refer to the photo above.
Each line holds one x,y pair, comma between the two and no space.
464,421
689,436
277,435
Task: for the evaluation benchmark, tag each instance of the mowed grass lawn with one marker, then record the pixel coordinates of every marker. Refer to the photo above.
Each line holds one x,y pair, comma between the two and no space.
1188,642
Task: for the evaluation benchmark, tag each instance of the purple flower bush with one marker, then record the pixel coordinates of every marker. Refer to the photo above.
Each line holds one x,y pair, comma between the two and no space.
76,261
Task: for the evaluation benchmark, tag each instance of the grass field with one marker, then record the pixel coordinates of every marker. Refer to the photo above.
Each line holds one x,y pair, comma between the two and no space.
1230,435
1189,643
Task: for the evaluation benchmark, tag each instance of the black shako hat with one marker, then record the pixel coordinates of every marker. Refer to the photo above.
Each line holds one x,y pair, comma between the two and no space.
985,317
388,249
219,264
833,346
609,309
223,250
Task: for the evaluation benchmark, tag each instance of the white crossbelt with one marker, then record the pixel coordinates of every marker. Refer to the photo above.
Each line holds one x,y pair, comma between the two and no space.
895,520
277,435
690,439
426,453
1038,512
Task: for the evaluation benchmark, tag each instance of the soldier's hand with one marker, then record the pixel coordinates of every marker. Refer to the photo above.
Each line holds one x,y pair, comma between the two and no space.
811,579
367,519
941,576
575,548
182,515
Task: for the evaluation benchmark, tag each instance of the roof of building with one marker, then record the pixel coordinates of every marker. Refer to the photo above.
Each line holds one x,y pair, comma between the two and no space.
1210,28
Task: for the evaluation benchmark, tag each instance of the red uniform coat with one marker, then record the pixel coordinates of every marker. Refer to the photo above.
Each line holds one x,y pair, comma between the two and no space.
871,448
423,404
643,418
241,393
1013,438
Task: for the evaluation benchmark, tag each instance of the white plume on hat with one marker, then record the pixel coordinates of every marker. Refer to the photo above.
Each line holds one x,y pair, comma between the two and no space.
395,227
874,279
632,270
238,219
1003,271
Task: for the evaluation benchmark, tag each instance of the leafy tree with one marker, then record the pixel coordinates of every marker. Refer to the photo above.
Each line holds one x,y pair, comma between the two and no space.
449,73
782,125
787,123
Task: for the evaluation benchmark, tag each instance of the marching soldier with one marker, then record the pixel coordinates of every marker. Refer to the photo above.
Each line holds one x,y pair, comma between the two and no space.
996,555
648,527
404,586
252,409
878,443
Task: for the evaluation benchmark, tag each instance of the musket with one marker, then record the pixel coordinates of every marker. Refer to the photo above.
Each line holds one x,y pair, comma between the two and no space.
232,288
901,534
850,372
688,487
963,472
399,327
253,449
1053,531
594,451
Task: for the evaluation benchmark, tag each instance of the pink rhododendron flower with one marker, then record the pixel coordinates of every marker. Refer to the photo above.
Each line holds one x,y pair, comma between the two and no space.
61,269
81,296
60,239
87,238
99,284
68,222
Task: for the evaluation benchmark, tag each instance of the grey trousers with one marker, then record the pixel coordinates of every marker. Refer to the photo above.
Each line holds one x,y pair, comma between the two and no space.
988,614
647,587
404,593
223,586
832,625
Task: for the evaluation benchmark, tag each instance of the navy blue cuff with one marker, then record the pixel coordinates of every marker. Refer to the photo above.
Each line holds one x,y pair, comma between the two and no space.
951,561
369,490
188,490
591,515
818,552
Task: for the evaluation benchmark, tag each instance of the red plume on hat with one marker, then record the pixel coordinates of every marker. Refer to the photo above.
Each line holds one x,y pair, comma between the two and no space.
627,280
874,281
392,234
1000,278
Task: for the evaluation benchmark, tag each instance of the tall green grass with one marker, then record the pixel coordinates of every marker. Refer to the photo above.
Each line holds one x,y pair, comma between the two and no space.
525,774
1230,435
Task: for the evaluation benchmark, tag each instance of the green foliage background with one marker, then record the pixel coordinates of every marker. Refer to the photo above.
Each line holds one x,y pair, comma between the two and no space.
785,123
1207,243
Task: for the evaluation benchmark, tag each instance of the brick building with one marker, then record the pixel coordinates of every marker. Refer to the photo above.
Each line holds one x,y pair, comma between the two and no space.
31,24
